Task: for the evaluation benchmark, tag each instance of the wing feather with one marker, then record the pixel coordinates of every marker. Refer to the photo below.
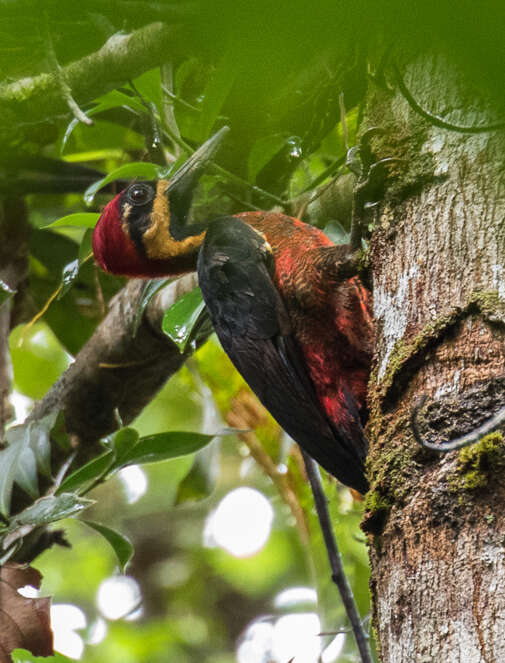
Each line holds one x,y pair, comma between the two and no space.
253,325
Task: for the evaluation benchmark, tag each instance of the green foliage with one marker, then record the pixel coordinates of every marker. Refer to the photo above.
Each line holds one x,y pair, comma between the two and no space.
27,453
153,448
79,220
96,468
120,544
10,464
186,322
128,448
50,509
151,287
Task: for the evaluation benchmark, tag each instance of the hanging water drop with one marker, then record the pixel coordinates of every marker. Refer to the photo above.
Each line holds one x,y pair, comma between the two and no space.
295,149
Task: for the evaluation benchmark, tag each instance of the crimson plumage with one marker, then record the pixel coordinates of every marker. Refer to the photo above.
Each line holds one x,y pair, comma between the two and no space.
299,333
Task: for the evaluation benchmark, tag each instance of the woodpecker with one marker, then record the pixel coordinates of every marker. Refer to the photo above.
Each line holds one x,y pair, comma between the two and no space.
299,333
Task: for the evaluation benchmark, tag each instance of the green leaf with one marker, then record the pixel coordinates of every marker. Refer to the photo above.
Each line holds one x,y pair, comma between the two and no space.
26,472
6,293
263,151
113,99
124,441
40,442
9,462
120,544
79,220
49,509
116,99
69,275
26,475
201,479
137,169
87,473
35,455
151,287
24,656
184,318
162,446
148,85
166,172
218,88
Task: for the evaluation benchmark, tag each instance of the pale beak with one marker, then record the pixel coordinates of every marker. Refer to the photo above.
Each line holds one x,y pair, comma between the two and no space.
181,185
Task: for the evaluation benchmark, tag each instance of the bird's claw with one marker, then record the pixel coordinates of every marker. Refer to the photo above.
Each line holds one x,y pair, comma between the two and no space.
370,184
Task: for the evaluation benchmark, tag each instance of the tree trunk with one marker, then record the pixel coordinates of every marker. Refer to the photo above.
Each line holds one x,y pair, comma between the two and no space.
437,522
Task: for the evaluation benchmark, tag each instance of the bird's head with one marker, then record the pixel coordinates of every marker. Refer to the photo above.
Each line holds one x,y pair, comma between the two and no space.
145,229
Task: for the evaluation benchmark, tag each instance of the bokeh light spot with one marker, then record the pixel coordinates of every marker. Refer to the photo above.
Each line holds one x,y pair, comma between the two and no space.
65,620
297,636
134,482
295,596
119,597
241,523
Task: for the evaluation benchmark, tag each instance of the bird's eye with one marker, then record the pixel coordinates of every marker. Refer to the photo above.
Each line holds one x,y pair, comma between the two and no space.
140,194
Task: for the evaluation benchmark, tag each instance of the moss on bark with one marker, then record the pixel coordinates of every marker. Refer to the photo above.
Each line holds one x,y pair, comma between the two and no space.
477,464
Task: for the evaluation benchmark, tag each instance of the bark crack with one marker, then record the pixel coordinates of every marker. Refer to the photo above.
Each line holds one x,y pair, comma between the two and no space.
477,582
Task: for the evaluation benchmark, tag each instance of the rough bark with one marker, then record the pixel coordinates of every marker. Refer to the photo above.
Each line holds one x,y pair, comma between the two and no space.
121,367
437,523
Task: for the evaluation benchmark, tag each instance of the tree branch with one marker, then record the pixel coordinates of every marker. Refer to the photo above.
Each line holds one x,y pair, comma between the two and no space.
336,565
122,57
66,92
118,367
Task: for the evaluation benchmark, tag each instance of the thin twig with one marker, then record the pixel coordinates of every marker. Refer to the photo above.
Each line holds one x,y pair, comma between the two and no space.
356,235
235,178
436,119
179,100
334,166
347,629
168,119
459,442
337,568
153,139
317,194
39,314
62,472
66,92
77,112
242,203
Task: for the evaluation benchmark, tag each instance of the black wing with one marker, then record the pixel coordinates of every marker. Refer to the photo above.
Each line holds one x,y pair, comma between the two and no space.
252,323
